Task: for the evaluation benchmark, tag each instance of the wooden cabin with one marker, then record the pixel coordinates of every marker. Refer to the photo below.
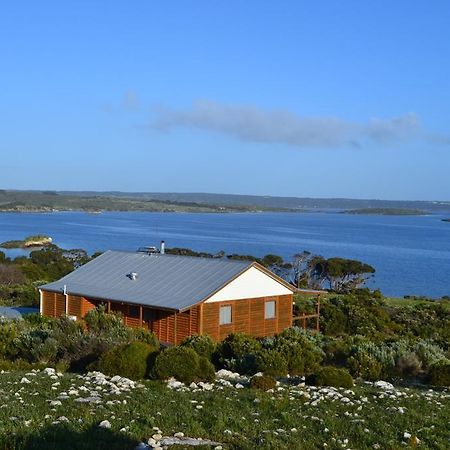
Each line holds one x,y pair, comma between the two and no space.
175,296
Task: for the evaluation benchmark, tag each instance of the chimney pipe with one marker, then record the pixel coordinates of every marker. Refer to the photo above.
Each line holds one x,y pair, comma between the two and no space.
163,248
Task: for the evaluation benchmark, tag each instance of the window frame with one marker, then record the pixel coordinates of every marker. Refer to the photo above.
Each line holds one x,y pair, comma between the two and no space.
134,308
231,314
274,309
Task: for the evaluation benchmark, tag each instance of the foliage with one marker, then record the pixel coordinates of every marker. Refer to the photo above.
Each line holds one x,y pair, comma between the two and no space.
331,376
337,274
263,382
202,344
129,360
271,362
182,363
365,366
237,352
440,374
146,336
99,321
206,370
302,354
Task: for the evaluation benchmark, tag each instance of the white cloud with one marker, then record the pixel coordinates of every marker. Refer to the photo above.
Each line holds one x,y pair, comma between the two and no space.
253,124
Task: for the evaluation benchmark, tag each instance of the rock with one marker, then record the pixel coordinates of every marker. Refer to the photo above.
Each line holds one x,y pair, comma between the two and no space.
174,384
105,424
55,403
180,434
157,436
49,371
384,385
227,375
167,441
239,386
141,446
25,381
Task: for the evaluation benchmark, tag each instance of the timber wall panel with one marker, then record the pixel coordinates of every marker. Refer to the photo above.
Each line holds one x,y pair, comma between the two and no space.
247,317
74,306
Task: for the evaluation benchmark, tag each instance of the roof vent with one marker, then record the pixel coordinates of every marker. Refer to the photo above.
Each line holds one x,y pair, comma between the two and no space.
132,275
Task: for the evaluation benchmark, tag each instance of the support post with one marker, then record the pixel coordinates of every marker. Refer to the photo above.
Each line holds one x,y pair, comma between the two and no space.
140,315
41,302
175,330
108,307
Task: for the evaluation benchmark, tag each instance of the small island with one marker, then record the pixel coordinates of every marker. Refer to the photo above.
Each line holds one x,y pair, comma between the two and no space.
387,211
446,220
38,240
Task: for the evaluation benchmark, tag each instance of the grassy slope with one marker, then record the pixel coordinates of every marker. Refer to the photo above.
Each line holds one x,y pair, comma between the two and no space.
254,420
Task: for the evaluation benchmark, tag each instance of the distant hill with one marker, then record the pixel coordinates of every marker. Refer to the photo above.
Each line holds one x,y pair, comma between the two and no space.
387,211
294,203
14,200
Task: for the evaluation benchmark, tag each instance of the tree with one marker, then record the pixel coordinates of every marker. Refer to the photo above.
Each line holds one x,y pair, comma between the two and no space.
338,274
10,274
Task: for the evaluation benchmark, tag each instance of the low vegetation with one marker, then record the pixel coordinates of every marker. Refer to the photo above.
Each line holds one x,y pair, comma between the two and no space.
326,387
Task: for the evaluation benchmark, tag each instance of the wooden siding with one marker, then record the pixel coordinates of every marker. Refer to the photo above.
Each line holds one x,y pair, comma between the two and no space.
247,316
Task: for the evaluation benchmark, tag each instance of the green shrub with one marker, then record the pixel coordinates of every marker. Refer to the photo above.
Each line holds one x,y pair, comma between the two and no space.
202,344
206,370
271,362
237,352
100,322
263,382
331,376
143,335
440,375
129,360
299,348
179,362
8,334
365,366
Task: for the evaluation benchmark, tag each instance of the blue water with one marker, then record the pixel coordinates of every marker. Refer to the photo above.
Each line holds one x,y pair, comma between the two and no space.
411,254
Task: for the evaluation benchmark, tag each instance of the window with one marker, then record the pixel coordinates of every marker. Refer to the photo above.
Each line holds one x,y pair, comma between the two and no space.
225,315
133,311
269,310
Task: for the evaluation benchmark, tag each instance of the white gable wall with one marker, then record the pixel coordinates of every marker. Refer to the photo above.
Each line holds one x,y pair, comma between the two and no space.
253,283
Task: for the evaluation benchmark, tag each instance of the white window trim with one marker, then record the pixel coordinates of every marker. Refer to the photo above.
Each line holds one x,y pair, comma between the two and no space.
274,309
231,315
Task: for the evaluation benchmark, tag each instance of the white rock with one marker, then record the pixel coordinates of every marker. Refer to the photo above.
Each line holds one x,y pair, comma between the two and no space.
105,424
25,381
227,375
384,385
174,384
239,386
49,371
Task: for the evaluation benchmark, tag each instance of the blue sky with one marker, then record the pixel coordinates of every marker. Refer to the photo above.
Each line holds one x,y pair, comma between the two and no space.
319,99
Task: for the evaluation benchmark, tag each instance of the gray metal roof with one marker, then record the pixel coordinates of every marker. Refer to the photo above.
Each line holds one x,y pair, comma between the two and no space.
12,313
163,281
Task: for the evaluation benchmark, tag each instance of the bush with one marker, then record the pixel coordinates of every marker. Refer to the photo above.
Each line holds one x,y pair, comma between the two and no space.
271,362
300,350
143,335
100,322
365,366
202,344
206,370
440,375
179,362
263,382
331,376
237,352
129,360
